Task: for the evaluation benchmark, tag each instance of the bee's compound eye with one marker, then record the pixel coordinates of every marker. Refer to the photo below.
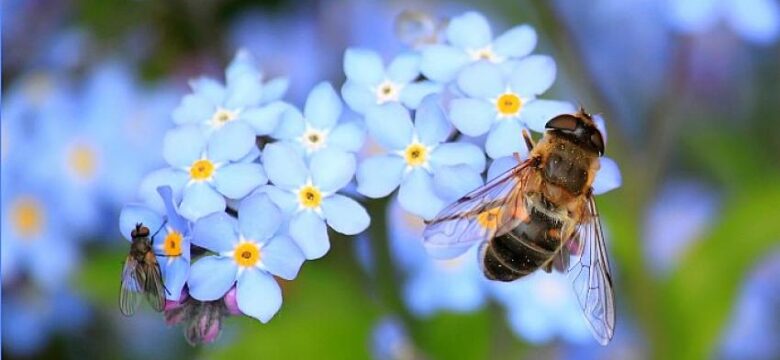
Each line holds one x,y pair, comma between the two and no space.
598,142
140,231
563,122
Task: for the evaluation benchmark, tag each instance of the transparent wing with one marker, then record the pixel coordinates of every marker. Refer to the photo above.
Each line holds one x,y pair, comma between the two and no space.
589,271
478,215
154,289
130,287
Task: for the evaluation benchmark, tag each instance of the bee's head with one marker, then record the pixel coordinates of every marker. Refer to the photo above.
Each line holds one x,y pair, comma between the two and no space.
139,231
579,128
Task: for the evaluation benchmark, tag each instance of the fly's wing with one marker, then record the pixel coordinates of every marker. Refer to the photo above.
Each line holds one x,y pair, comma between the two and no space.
153,282
588,269
479,215
130,287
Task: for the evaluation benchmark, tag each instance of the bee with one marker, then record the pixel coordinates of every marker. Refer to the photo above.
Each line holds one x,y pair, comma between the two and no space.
141,274
541,214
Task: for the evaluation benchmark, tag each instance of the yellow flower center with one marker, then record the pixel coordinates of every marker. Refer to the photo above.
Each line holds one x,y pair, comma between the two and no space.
416,154
246,254
310,197
485,53
508,104
82,160
387,91
27,217
223,116
172,244
488,219
201,170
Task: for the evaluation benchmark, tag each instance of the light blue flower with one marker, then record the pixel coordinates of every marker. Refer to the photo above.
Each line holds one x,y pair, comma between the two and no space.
757,21
213,105
369,83
250,252
430,171
309,195
501,101
171,244
205,171
390,341
542,307
318,126
470,40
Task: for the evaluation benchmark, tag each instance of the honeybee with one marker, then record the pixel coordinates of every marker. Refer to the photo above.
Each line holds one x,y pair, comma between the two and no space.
141,274
541,214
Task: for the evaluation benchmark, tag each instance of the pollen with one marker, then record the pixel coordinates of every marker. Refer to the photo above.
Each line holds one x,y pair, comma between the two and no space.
82,160
416,154
201,170
488,219
310,197
508,104
246,254
387,91
222,116
172,244
27,217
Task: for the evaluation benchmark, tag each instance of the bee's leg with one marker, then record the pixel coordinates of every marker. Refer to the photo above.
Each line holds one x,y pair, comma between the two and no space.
158,230
529,142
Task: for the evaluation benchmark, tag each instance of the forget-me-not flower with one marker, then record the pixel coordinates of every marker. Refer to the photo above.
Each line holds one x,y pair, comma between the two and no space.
250,252
430,171
502,100
205,171
308,194
318,126
213,105
470,39
369,83
757,21
171,244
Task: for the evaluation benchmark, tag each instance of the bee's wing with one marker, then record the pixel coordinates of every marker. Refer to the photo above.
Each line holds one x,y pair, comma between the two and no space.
153,282
458,227
590,274
130,287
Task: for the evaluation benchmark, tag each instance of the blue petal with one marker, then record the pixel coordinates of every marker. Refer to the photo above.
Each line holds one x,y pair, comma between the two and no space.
441,63
347,136
332,169
390,125
209,88
134,214
505,139
482,80
175,275
363,66
458,153
404,68
237,180
412,94
216,232
517,42
756,20
378,176
285,200
194,108
418,196
694,15
242,65
469,31
323,106
431,124
258,295
500,166
532,75
51,261
452,182
359,97
535,114
282,257
244,91
608,177
291,125
232,142
183,145
345,215
171,212
264,119
211,277
162,177
275,89
308,231
472,117
258,218
200,199
284,166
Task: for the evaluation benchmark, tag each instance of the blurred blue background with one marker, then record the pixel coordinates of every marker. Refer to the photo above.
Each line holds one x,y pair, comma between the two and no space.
689,90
